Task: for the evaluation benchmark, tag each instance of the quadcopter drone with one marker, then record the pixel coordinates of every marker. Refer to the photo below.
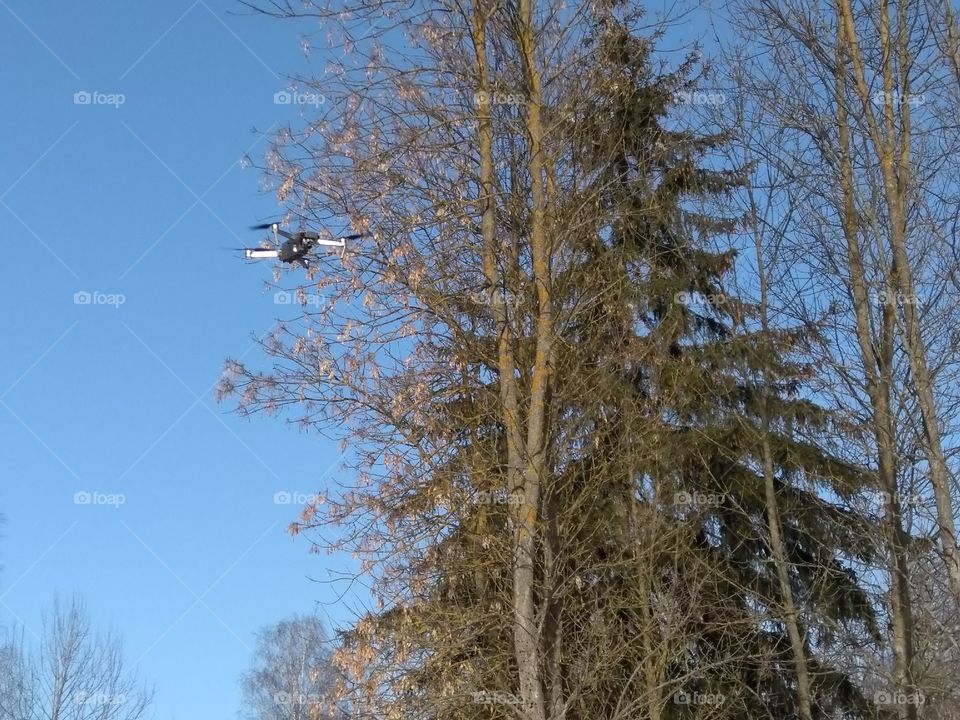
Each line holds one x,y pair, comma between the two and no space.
296,247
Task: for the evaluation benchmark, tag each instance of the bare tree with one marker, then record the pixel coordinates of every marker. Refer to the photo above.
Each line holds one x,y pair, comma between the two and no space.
74,674
16,681
292,676
853,98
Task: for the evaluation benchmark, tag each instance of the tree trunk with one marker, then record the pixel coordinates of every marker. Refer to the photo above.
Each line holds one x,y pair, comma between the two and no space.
897,186
526,632
789,608
878,375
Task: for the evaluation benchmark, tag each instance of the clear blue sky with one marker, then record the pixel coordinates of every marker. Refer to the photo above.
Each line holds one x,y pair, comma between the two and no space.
138,199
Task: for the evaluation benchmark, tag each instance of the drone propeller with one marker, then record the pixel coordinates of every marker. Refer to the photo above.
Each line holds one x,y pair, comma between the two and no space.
277,230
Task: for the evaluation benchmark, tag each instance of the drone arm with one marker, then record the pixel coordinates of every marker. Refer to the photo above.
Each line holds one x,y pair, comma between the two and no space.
259,253
339,242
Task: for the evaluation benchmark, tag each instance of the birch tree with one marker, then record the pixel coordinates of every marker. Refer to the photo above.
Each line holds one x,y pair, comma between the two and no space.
292,677
74,673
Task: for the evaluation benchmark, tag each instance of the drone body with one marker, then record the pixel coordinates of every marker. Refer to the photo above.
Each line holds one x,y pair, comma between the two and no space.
296,247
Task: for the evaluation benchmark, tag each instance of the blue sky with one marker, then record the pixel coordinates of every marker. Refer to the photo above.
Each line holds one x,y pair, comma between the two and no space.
137,200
